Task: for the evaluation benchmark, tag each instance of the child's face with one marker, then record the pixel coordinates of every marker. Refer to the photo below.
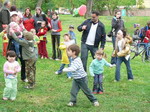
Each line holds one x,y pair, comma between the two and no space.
43,24
71,29
54,16
70,53
11,59
33,31
99,57
118,15
119,34
66,38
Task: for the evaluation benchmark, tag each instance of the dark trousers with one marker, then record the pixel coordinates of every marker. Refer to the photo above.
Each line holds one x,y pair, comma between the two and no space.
84,53
98,81
23,72
55,45
118,65
113,59
82,84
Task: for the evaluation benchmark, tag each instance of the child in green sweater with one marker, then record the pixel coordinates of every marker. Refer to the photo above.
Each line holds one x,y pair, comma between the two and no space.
96,70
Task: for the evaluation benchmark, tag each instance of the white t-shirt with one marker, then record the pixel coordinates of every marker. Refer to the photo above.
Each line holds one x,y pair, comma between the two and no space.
91,36
120,44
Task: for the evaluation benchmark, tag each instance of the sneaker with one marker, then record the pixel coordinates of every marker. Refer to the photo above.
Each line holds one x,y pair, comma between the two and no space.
94,92
130,79
69,77
13,99
71,104
57,59
4,98
42,57
100,92
56,73
116,81
29,87
25,80
96,104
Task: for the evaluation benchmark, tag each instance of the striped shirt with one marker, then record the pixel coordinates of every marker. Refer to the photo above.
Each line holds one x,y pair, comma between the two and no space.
76,68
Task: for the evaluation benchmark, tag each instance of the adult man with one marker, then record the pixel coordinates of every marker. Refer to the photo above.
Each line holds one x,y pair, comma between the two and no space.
5,15
93,34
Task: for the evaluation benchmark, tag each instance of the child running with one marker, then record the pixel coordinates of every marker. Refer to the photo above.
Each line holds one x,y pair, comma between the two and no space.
79,77
10,68
96,70
65,60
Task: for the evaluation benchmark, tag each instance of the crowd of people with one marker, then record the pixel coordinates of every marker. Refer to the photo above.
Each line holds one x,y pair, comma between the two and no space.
24,38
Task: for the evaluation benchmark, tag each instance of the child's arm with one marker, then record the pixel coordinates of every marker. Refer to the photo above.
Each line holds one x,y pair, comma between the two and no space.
17,68
74,66
108,64
91,69
6,70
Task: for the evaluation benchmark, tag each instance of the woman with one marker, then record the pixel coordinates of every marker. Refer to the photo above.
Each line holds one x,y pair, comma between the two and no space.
28,21
117,24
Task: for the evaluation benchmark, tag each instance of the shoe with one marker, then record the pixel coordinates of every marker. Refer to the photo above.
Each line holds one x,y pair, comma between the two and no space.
100,92
96,104
69,77
25,80
94,92
56,73
57,59
45,58
29,87
13,99
130,79
116,81
4,98
71,104
51,58
42,57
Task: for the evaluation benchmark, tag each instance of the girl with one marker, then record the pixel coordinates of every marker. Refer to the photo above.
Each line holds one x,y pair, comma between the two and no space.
10,68
96,70
122,51
117,24
55,35
42,45
63,46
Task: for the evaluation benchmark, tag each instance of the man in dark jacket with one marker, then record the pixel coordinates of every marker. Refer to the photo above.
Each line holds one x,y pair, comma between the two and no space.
93,34
5,15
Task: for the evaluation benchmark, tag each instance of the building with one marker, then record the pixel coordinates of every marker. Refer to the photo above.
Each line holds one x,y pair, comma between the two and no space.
146,3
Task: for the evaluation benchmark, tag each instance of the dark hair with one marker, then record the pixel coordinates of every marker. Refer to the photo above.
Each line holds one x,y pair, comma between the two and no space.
74,48
124,32
55,13
67,35
13,8
6,3
11,54
96,13
30,15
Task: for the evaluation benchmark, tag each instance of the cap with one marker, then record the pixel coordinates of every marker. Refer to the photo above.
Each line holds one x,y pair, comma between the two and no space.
71,26
13,13
28,35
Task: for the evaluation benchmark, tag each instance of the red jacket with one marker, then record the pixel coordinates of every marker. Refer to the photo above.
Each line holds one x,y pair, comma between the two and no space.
28,23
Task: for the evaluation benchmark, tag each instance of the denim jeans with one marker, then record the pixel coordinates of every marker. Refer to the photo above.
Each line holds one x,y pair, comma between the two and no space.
97,84
113,59
84,53
127,63
69,74
16,44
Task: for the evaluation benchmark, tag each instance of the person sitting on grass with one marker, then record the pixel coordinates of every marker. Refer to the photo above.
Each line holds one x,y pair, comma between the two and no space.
96,70
11,68
79,77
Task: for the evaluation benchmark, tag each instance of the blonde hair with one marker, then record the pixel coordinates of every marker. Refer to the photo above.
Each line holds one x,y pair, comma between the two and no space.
101,52
67,35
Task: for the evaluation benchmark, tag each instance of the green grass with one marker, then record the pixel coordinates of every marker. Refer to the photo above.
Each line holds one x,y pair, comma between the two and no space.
52,92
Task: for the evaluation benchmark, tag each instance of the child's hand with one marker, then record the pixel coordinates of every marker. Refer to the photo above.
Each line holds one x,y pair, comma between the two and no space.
54,30
113,65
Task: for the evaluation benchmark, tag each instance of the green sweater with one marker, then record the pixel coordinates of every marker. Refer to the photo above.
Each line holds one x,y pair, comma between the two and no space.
27,47
97,66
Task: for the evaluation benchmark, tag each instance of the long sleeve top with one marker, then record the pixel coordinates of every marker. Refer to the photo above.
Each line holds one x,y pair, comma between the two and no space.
97,66
10,69
76,68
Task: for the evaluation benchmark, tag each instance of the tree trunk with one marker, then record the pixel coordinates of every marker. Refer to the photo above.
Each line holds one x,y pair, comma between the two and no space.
39,3
89,8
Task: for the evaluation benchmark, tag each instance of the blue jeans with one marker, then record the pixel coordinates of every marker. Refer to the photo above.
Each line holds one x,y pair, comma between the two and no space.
98,81
69,74
127,63
16,44
84,53
113,59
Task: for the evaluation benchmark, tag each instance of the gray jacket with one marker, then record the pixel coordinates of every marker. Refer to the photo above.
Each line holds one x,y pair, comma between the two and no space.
28,51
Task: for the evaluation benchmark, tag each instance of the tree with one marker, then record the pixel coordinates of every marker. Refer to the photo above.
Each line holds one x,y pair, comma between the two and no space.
89,8
39,3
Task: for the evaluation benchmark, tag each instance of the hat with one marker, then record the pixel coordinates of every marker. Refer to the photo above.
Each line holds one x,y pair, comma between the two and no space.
13,13
71,26
28,35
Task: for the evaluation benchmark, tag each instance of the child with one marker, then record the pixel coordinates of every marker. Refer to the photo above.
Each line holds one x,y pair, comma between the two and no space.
29,56
55,35
71,33
5,40
63,46
36,41
96,70
79,77
15,28
42,44
10,68
122,51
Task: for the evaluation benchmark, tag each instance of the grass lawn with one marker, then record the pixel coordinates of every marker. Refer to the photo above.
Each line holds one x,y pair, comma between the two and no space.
52,92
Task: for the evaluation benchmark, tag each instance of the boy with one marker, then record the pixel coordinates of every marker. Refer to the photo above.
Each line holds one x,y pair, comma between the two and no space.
79,77
28,54
71,33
